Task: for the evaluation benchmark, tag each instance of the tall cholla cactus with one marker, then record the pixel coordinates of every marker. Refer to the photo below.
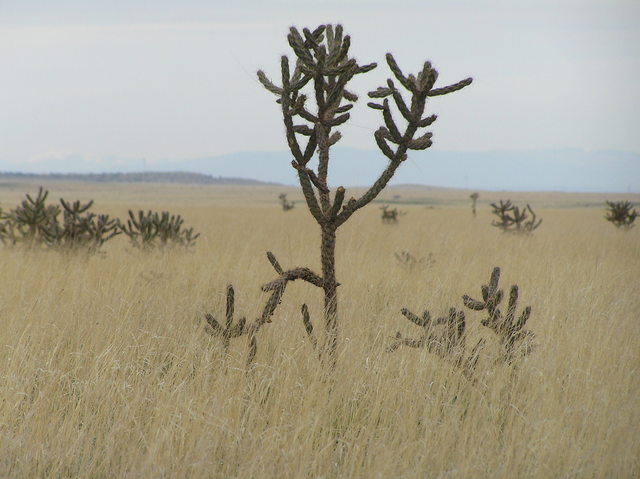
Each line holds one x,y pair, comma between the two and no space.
322,64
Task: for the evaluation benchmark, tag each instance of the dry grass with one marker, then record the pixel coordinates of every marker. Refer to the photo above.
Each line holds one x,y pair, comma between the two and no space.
107,371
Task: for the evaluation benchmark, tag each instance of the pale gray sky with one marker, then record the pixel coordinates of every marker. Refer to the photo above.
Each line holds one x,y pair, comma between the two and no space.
176,79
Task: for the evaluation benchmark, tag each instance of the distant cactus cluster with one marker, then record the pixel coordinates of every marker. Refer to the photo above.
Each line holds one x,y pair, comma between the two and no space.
621,214
157,230
34,223
513,219
70,226
81,229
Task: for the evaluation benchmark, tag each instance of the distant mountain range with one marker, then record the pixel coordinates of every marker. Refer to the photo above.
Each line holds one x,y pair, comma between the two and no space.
181,177
518,170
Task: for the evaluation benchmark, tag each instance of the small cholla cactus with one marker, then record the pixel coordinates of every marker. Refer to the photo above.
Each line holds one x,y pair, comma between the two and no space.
474,198
285,203
513,337
621,214
443,342
512,219
390,216
449,342
445,337
275,289
153,229
230,330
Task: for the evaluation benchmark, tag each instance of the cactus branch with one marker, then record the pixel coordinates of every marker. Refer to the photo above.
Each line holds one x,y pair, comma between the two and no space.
308,326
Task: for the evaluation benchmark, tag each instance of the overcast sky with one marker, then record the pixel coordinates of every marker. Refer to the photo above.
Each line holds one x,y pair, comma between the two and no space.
176,79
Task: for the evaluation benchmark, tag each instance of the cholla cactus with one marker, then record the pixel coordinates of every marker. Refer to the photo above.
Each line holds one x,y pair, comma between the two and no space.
35,223
230,330
621,214
285,203
510,330
322,62
449,342
28,222
445,337
276,289
390,216
444,342
153,229
512,219
80,229
474,198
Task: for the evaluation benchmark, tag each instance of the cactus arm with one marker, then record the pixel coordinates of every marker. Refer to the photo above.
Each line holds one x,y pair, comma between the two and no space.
308,326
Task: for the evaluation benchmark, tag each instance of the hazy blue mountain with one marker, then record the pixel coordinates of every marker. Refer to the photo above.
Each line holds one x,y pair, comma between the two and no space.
560,170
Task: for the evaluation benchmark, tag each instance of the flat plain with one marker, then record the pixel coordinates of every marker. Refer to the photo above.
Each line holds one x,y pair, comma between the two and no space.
107,371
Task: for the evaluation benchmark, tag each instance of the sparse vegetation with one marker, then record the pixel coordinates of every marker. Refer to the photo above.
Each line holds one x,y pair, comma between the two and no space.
513,219
621,214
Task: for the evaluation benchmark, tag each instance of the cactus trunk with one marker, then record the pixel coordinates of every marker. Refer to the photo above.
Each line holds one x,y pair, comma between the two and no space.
330,287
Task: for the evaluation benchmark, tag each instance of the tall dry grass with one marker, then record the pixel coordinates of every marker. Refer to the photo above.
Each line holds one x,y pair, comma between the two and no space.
106,370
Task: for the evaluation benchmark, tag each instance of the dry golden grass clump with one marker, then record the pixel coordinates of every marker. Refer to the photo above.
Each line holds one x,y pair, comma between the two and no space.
106,370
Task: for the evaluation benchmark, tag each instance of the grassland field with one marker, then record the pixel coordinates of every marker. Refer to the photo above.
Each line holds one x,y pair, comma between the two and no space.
106,369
